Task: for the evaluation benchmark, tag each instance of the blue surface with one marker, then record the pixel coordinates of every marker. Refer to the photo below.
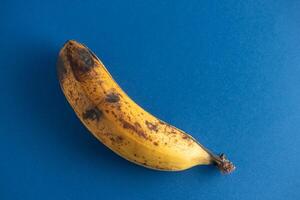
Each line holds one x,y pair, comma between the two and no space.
227,72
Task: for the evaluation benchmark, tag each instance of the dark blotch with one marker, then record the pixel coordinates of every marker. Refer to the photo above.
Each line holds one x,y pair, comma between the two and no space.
155,143
81,60
92,114
112,98
151,126
86,58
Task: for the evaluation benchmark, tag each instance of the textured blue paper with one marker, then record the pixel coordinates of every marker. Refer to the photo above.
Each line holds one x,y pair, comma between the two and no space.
227,72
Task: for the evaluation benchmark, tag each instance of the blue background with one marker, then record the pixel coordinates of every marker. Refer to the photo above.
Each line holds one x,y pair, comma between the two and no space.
225,71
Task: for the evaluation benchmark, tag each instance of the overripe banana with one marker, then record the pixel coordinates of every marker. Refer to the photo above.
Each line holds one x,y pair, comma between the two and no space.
119,123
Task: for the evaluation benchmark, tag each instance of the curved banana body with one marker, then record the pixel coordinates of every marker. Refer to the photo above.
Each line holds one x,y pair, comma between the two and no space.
122,125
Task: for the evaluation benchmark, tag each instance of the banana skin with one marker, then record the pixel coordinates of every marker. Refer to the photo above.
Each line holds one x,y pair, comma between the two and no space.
122,125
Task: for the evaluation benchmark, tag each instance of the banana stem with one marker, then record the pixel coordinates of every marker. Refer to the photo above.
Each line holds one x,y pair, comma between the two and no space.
223,163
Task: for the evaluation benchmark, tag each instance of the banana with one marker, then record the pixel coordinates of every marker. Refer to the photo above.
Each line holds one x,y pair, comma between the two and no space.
122,125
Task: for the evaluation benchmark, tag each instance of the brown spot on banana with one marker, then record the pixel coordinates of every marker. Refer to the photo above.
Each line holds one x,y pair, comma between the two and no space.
135,128
151,126
185,137
155,143
117,139
114,114
120,138
112,98
92,114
